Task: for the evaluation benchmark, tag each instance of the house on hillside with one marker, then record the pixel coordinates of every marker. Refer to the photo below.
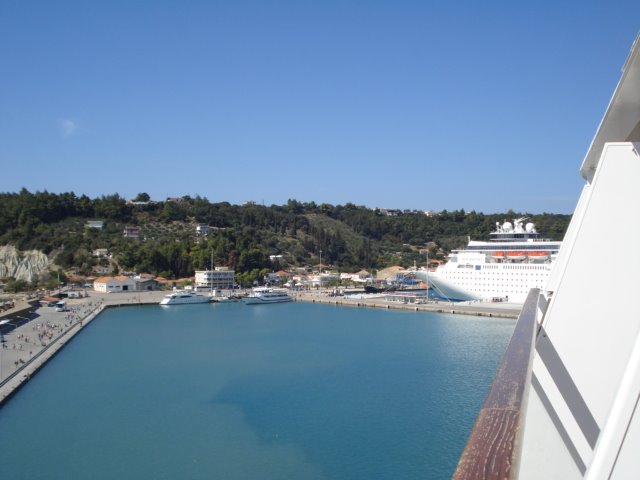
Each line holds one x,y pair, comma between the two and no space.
96,224
131,232
102,269
203,229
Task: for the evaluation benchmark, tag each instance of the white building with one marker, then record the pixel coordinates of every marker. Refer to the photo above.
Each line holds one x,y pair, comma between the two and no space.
114,284
97,224
203,229
221,278
102,269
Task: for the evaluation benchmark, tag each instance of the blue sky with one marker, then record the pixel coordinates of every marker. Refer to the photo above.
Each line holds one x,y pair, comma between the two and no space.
485,106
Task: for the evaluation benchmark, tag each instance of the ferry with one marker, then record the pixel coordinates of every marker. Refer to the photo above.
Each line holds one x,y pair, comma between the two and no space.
267,295
515,259
182,297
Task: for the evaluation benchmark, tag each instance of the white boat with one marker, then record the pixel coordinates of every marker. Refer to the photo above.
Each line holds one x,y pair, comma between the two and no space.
267,295
183,297
515,259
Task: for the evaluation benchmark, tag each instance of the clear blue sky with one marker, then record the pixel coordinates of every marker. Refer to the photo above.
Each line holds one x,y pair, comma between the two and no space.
485,106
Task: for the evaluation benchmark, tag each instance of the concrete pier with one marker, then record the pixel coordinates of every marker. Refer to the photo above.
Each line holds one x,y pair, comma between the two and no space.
483,309
29,346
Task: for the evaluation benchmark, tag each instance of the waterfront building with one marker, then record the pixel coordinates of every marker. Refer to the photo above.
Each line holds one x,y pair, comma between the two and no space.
114,284
220,278
145,281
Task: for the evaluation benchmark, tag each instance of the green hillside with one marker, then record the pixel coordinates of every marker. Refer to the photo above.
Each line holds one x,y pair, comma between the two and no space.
243,237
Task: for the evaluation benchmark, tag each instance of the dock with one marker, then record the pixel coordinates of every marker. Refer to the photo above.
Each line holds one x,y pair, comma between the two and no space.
480,309
39,333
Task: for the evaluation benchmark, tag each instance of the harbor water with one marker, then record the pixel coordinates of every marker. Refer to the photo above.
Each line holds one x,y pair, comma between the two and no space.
284,391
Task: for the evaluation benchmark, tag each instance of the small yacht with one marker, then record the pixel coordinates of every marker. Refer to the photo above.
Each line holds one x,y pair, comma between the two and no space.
183,297
267,295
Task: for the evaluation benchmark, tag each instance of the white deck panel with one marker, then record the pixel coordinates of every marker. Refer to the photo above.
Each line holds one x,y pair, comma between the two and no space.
592,320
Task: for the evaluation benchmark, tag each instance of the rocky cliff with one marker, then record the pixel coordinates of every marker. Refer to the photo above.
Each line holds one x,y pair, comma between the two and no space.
22,265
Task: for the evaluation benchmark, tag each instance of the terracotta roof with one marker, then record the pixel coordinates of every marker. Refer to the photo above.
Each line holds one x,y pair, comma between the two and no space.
121,278
103,279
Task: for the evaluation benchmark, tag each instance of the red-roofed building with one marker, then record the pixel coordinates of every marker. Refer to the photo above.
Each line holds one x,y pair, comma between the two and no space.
114,284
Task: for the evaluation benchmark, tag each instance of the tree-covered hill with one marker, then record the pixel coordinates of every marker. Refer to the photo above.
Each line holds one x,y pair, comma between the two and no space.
243,237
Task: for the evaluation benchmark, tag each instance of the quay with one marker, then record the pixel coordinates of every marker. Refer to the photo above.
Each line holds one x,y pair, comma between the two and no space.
482,309
37,333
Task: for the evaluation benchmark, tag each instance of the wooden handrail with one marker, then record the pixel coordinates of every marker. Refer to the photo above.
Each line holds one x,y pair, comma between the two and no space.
494,445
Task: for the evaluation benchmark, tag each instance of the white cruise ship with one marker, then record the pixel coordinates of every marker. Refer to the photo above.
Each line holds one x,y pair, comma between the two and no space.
182,297
267,295
514,260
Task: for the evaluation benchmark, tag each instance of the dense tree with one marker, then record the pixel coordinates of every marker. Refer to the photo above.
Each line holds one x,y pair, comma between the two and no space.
142,197
350,236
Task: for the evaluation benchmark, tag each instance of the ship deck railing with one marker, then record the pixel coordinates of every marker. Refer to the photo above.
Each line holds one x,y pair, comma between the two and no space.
494,446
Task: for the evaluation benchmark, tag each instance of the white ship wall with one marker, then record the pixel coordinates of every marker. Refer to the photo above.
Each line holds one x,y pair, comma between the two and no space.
580,417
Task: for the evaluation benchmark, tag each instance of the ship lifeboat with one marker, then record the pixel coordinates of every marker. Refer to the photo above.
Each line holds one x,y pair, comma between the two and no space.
498,255
538,256
516,256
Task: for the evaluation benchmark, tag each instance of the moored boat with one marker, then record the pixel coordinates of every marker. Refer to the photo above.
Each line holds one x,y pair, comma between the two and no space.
267,295
183,297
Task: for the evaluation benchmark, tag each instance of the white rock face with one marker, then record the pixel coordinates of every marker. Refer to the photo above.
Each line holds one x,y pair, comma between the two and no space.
22,265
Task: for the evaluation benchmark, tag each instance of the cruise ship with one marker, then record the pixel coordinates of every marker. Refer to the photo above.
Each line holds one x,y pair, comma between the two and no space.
267,295
515,259
182,297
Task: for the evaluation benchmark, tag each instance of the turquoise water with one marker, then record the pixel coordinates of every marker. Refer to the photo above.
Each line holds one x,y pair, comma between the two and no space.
228,391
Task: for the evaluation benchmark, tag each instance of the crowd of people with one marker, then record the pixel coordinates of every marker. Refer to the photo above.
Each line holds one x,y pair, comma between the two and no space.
43,333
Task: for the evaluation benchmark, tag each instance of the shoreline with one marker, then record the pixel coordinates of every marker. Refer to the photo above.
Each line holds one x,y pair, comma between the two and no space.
55,329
